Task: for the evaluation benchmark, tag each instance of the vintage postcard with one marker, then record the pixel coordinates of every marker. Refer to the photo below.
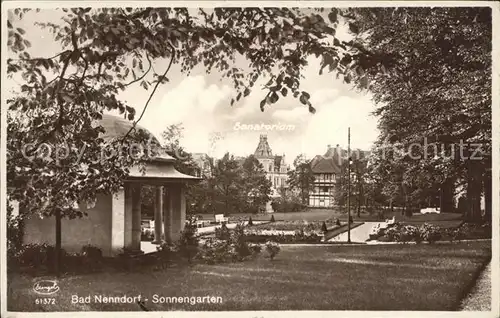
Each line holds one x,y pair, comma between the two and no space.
250,158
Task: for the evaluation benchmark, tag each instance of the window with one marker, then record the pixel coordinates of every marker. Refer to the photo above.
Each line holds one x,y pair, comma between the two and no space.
324,189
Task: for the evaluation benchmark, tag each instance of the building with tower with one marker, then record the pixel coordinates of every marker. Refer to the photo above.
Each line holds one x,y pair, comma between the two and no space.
275,167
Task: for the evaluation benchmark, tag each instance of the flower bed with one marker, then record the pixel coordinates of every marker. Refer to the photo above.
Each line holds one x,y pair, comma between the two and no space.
429,233
299,236
306,226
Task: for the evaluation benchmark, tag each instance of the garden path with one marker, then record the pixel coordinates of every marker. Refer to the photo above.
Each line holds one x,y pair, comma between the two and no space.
359,234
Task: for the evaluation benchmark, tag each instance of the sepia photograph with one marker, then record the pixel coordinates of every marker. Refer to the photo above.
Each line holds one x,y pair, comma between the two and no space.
249,157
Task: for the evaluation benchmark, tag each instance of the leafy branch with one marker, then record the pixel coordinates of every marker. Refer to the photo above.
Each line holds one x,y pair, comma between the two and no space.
143,75
160,80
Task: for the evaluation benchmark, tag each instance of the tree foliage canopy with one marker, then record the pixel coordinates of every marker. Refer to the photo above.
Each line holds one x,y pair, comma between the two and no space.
429,70
106,50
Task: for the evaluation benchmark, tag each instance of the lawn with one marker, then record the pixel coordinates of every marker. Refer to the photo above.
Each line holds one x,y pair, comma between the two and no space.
390,277
325,214
295,225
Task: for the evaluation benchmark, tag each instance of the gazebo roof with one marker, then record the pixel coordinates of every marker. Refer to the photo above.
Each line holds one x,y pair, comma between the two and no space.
160,168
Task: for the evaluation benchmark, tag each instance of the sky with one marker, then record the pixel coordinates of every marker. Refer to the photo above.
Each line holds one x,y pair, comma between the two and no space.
201,103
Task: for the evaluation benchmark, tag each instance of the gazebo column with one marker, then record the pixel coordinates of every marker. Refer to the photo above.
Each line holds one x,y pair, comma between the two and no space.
136,218
158,215
119,210
127,215
167,214
178,210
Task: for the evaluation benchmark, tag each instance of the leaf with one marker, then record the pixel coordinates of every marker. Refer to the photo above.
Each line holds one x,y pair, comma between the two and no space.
304,98
284,91
332,16
262,104
246,92
312,110
232,101
90,32
273,98
66,98
347,78
21,31
353,28
238,97
363,82
9,25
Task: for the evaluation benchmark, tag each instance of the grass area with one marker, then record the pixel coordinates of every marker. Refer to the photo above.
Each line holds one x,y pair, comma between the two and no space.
479,299
325,214
390,277
294,225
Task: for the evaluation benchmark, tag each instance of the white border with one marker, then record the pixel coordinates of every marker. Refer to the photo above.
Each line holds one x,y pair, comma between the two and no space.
317,314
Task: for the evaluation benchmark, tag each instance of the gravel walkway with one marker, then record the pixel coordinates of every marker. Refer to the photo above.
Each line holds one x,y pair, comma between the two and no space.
480,297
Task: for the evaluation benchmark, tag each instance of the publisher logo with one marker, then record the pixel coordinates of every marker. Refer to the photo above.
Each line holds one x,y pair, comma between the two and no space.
46,287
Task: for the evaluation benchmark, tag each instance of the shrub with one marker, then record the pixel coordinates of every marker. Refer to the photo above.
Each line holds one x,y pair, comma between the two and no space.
188,242
222,233
303,237
272,249
250,222
14,232
92,252
272,218
384,238
214,251
337,222
32,255
410,233
165,253
324,229
255,248
234,247
393,234
238,240
430,233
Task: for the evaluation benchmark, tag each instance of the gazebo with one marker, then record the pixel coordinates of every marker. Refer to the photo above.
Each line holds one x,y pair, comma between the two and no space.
113,223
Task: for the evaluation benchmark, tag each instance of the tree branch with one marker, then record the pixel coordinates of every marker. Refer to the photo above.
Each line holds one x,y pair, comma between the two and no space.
42,58
143,75
152,93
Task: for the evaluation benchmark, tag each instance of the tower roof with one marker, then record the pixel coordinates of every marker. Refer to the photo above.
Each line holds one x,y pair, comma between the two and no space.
263,149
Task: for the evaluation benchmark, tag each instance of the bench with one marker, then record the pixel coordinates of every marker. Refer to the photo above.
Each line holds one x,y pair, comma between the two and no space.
219,218
201,223
429,210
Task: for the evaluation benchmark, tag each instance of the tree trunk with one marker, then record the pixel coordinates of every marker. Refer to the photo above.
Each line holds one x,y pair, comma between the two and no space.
446,196
359,198
487,196
57,256
474,189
